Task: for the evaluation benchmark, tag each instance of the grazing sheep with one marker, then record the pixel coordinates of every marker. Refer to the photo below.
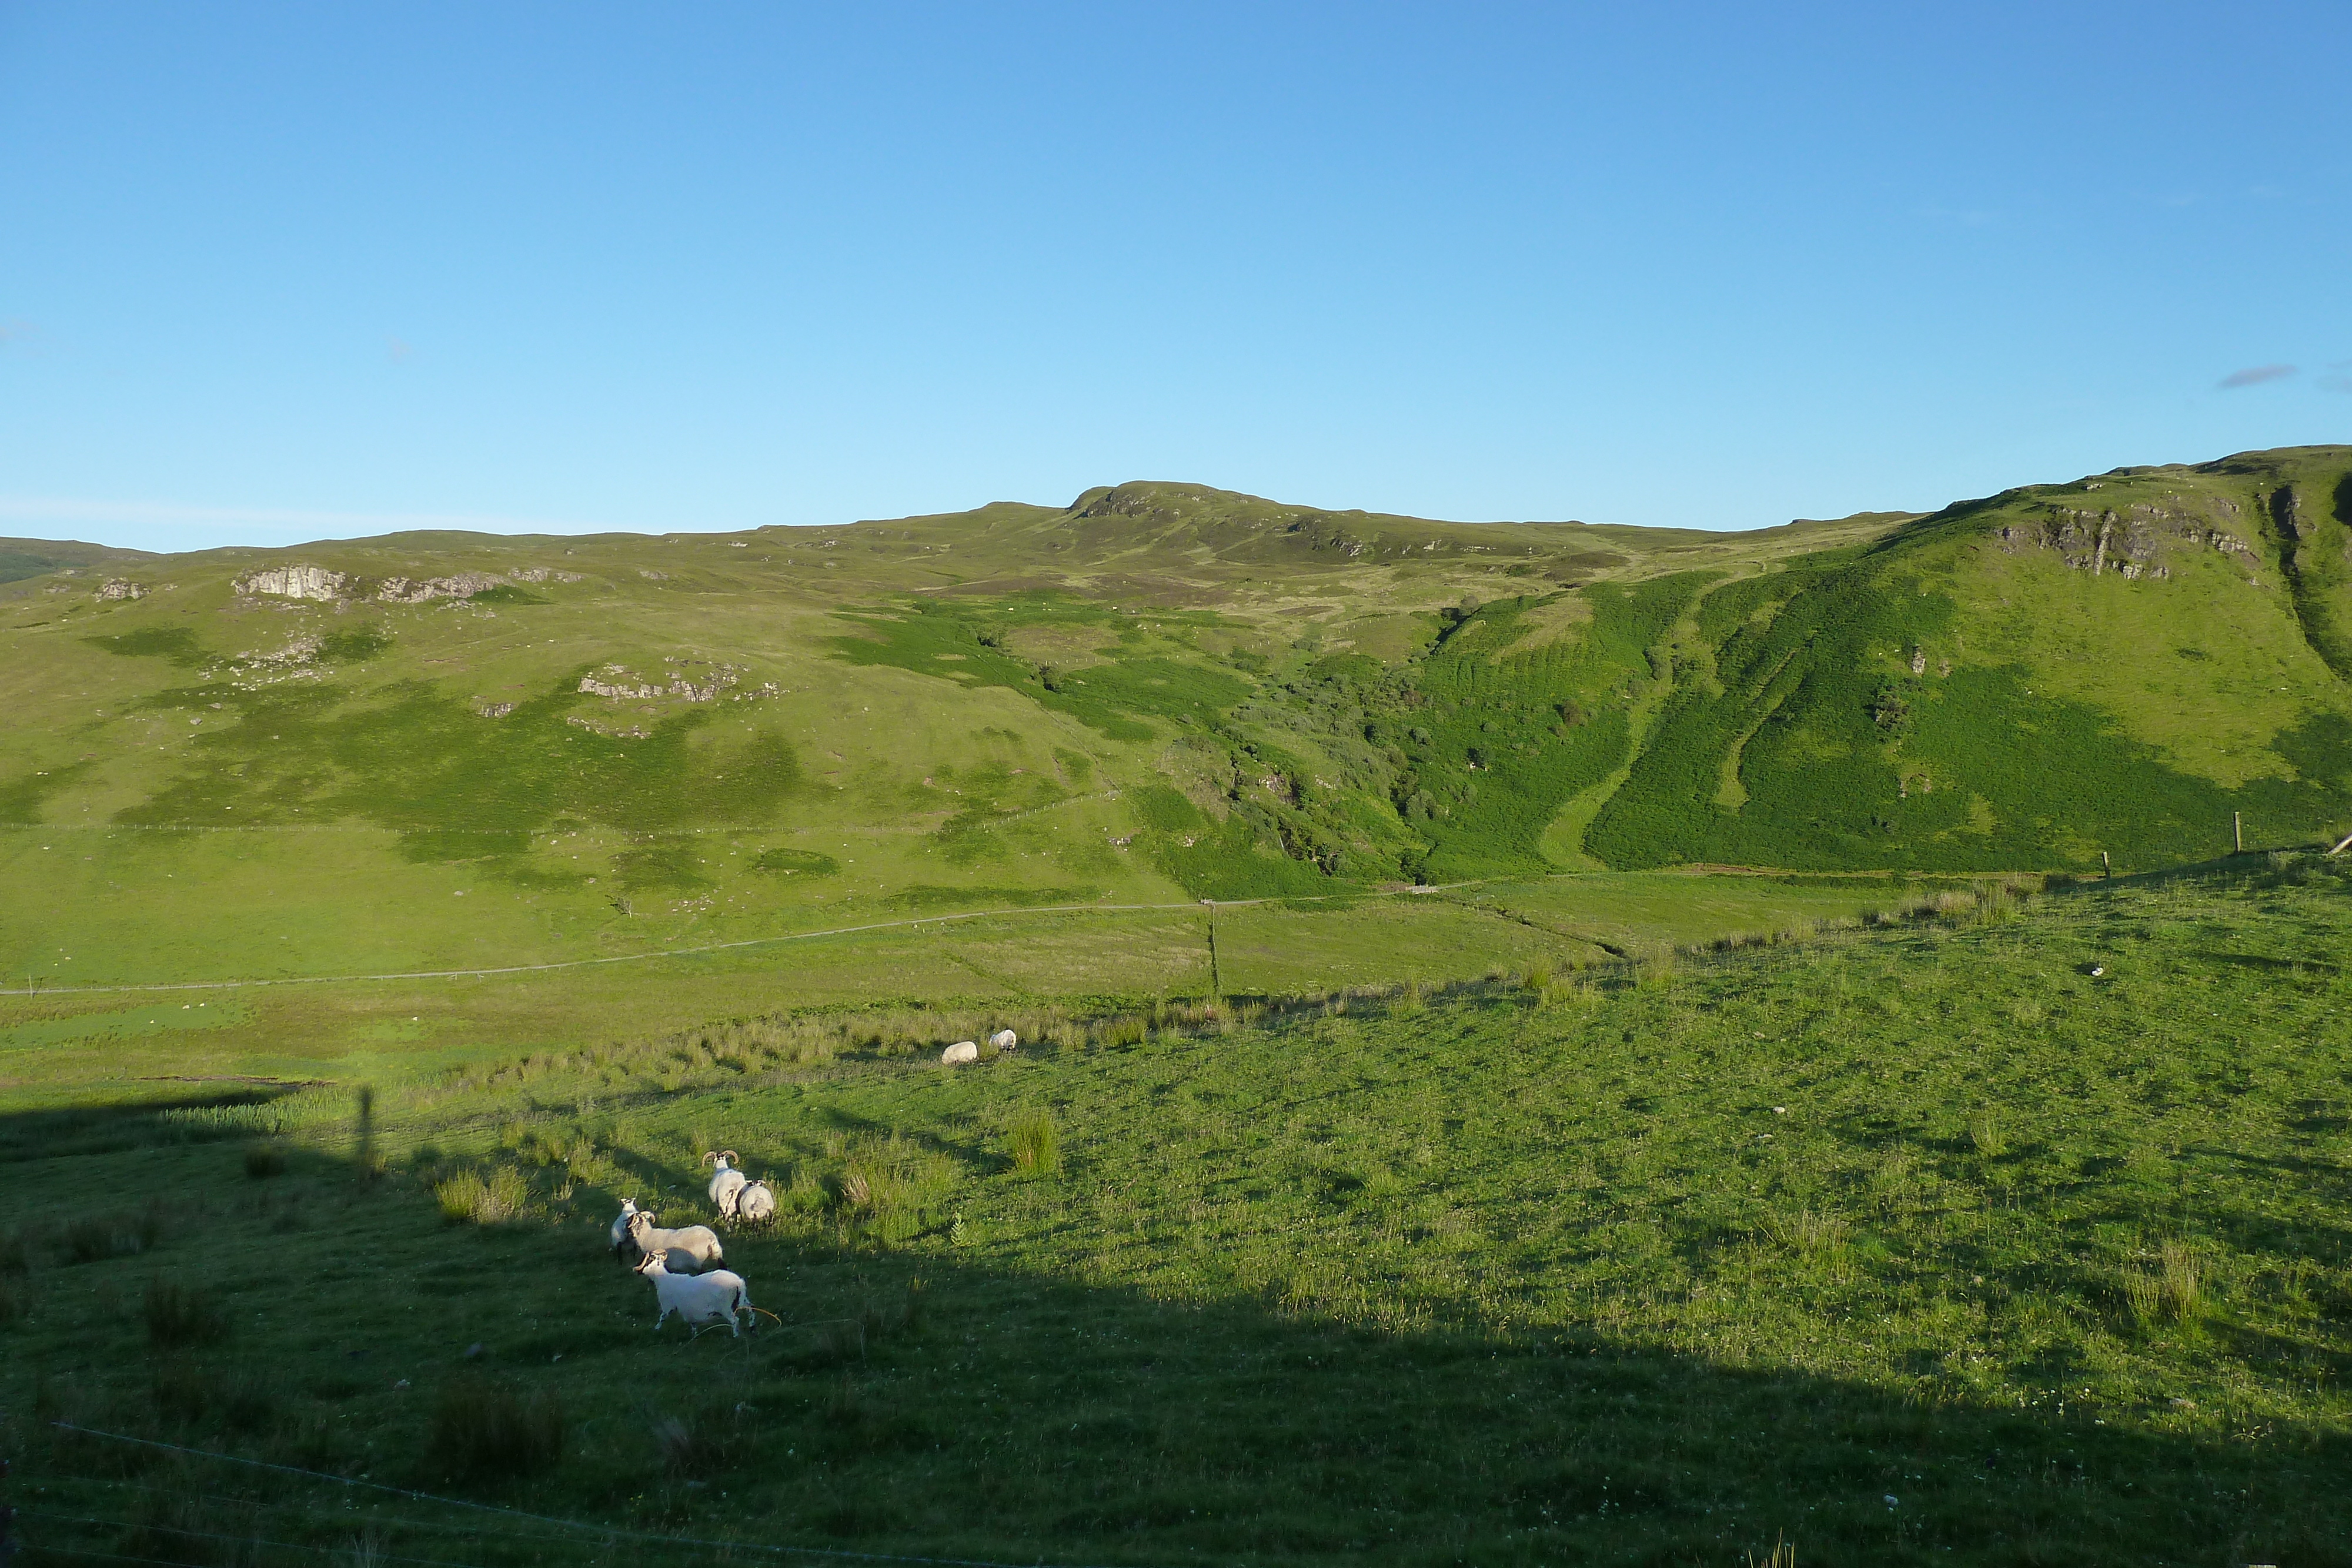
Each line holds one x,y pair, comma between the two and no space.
715,1297
620,1232
726,1181
756,1203
1005,1039
689,1249
961,1050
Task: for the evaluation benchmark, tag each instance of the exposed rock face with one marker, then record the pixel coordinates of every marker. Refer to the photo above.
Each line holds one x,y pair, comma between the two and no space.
543,574
122,587
494,710
465,584
2131,541
294,582
1918,661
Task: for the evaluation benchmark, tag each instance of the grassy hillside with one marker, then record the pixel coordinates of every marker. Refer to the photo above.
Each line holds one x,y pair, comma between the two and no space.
2115,664
2011,1232
442,751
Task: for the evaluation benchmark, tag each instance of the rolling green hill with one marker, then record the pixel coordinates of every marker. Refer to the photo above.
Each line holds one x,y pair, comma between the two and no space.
439,750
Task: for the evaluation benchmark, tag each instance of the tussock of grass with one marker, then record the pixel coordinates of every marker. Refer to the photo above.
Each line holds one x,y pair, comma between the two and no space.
483,1430
91,1238
1033,1146
178,1314
701,1443
471,1197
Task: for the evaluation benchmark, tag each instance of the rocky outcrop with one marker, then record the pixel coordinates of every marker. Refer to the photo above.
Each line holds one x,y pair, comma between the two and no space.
494,710
624,689
464,585
2132,540
543,574
122,587
293,582
629,687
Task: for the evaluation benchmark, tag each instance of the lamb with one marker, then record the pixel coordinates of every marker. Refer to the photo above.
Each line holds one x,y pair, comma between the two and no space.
960,1052
1005,1039
715,1297
620,1232
756,1203
725,1181
691,1249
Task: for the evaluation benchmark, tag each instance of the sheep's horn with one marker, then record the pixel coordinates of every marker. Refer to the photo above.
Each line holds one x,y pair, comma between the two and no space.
707,1158
729,1154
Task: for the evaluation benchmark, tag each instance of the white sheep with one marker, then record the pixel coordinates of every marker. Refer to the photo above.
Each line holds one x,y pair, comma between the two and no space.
725,1181
690,1249
620,1231
715,1297
756,1203
960,1052
1005,1039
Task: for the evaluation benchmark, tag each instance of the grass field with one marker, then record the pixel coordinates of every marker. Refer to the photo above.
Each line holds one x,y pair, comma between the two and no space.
2005,1232
299,1021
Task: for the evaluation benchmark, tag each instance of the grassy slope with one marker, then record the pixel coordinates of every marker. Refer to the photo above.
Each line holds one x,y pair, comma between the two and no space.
1922,1244
1159,694
2057,711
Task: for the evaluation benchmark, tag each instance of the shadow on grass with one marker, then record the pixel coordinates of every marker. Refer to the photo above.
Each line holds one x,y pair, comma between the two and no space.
193,1118
933,1402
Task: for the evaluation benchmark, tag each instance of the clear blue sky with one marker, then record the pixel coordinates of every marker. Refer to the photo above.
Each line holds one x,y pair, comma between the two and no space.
274,273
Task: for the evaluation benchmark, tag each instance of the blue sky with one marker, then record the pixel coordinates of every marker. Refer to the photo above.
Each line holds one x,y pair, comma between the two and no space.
278,272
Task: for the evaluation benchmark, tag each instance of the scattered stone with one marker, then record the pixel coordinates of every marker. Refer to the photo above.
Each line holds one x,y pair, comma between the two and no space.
122,587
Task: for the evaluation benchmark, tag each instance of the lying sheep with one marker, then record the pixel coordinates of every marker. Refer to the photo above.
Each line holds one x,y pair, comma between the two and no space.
960,1052
725,1181
715,1297
620,1232
689,1249
1005,1039
756,1203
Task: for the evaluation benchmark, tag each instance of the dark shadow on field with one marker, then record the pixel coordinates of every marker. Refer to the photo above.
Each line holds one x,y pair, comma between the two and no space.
189,1118
940,1405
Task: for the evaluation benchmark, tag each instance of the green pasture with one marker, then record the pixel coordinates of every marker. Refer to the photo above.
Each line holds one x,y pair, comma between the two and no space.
2001,1232
514,988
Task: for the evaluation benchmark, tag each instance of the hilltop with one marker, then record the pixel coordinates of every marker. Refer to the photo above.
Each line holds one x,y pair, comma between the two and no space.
1158,694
